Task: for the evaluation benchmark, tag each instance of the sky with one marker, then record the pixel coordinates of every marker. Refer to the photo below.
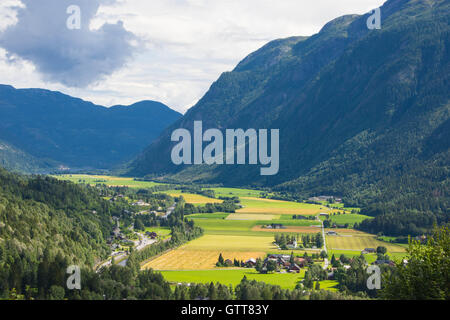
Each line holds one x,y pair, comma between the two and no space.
124,51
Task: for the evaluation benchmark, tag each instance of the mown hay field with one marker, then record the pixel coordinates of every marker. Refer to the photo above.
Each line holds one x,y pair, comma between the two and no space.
277,207
203,253
183,259
359,243
230,243
193,198
253,216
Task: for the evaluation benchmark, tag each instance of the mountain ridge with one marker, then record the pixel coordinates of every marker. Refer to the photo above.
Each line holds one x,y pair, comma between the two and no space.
77,133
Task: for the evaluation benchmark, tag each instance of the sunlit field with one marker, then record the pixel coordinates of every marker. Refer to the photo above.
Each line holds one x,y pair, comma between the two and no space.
107,180
268,206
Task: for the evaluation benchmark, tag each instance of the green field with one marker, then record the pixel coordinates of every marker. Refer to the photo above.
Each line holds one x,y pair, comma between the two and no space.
107,180
216,224
235,192
233,277
351,219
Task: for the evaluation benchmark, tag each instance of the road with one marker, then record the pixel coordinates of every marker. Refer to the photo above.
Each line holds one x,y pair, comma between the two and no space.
326,263
169,211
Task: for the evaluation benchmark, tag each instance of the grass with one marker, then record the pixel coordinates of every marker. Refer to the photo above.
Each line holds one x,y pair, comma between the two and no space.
359,243
233,277
107,180
160,231
230,243
183,259
289,229
351,219
243,216
220,226
269,206
235,192
329,285
191,197
202,253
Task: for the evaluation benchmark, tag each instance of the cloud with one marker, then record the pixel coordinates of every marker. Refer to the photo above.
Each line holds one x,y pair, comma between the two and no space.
184,44
75,58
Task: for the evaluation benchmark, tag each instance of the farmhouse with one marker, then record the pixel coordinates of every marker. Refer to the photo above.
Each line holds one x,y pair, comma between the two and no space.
369,250
323,214
292,245
332,233
250,262
294,268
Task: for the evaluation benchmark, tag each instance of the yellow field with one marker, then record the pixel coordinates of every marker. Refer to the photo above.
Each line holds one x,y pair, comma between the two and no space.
181,259
269,206
195,198
211,242
359,243
202,253
243,216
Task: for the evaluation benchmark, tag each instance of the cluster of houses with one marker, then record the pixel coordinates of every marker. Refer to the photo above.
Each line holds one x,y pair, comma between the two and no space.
283,262
141,203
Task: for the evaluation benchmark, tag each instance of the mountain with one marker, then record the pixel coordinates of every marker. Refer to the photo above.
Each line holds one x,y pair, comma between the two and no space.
71,132
362,113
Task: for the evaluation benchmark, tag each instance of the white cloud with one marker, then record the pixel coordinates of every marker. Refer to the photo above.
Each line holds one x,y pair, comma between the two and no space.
189,43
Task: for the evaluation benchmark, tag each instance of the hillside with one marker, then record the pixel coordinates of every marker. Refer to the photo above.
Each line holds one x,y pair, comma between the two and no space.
363,114
73,132
16,160
42,216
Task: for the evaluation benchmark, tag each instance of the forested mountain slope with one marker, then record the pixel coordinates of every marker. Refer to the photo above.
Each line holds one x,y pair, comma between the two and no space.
363,114
43,219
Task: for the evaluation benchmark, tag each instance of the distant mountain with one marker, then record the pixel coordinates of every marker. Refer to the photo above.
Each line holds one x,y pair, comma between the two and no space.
74,133
362,113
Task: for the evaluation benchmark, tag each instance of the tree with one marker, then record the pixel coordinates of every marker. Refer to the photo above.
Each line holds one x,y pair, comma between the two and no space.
220,261
317,286
323,254
382,250
425,276
271,266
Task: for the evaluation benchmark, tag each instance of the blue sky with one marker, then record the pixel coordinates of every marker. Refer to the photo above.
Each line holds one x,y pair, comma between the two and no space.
130,50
